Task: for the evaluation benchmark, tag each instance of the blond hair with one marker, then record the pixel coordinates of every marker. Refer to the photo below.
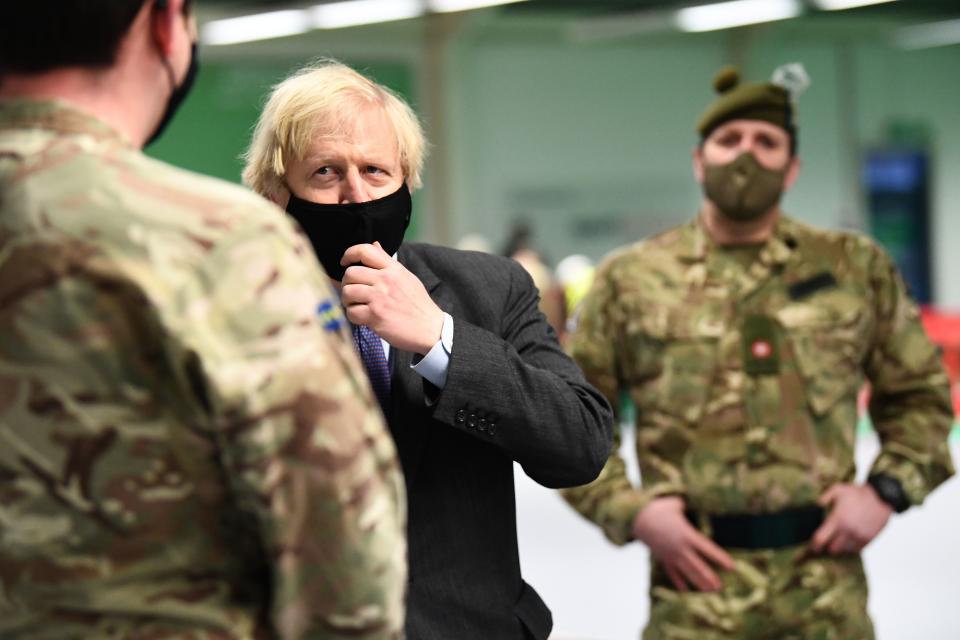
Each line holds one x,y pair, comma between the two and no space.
322,99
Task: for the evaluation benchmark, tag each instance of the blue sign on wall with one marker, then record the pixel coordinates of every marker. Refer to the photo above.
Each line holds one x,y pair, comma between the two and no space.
897,188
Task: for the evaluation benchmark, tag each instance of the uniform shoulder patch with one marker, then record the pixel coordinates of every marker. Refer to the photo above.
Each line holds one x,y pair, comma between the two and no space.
331,315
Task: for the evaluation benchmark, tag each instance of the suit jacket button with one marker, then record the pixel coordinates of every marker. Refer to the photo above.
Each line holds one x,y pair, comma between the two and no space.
483,424
472,421
492,428
461,416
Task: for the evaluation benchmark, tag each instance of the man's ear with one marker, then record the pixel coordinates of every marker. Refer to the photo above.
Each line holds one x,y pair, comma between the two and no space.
163,17
698,164
793,171
280,196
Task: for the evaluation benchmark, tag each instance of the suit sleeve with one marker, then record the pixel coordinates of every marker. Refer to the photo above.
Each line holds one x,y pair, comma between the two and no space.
515,388
303,447
910,393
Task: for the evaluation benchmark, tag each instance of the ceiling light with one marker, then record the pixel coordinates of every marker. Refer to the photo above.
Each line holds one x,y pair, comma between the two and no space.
932,34
350,14
333,15
445,6
837,5
261,26
725,15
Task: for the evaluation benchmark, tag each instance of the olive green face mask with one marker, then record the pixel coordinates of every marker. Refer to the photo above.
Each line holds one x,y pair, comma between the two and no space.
743,190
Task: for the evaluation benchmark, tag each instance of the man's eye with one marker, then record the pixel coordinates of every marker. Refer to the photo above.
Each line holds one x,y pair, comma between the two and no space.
768,143
375,170
729,140
323,171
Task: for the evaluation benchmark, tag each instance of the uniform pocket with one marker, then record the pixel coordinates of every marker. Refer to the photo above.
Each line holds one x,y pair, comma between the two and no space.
828,342
669,361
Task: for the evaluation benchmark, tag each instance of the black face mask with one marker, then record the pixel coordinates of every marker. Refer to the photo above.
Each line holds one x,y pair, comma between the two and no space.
334,228
176,96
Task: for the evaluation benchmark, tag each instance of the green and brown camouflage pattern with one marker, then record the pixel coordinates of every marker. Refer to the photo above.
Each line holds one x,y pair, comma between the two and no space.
770,595
664,322
187,448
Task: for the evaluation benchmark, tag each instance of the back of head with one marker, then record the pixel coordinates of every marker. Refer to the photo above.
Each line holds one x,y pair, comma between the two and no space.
321,100
43,35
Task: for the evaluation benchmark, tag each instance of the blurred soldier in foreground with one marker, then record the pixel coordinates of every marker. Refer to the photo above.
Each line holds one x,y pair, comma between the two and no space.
742,337
187,448
468,372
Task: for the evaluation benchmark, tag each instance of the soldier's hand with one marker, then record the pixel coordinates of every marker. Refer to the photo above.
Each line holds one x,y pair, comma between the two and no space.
684,552
381,293
856,516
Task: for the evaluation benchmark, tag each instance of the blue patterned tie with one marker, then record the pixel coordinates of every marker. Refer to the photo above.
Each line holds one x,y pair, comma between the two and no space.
371,353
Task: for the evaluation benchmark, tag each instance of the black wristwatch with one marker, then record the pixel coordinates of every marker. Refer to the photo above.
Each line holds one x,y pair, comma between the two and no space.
890,491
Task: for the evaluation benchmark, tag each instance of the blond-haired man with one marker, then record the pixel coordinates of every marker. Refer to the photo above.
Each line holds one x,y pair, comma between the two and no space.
469,374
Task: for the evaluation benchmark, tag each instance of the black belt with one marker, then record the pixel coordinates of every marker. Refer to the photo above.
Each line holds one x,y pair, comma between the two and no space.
787,528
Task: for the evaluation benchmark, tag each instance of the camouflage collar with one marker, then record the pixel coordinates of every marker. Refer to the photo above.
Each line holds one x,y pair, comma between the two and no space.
696,242
55,115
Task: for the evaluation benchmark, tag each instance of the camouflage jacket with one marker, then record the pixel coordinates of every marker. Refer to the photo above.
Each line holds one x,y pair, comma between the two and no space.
745,380
187,448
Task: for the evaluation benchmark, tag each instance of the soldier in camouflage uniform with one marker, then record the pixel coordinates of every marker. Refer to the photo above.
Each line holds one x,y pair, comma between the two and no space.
189,447
742,337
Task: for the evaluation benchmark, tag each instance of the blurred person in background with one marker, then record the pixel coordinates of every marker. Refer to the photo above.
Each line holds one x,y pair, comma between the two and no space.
475,242
520,247
468,372
575,276
186,448
742,337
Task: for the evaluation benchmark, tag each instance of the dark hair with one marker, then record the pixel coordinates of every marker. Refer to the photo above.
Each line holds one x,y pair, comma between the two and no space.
521,237
42,35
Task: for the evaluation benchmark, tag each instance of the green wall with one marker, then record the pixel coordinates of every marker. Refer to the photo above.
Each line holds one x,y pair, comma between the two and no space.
591,140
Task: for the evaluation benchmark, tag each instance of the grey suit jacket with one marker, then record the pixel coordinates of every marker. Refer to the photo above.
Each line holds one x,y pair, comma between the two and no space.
511,395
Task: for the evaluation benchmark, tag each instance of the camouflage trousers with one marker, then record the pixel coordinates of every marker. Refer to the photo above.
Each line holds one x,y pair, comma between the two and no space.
771,595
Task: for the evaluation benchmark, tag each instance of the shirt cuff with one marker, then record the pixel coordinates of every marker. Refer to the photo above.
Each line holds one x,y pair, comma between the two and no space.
434,365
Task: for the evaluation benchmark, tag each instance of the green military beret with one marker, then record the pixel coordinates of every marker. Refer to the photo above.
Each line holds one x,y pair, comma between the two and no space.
767,101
